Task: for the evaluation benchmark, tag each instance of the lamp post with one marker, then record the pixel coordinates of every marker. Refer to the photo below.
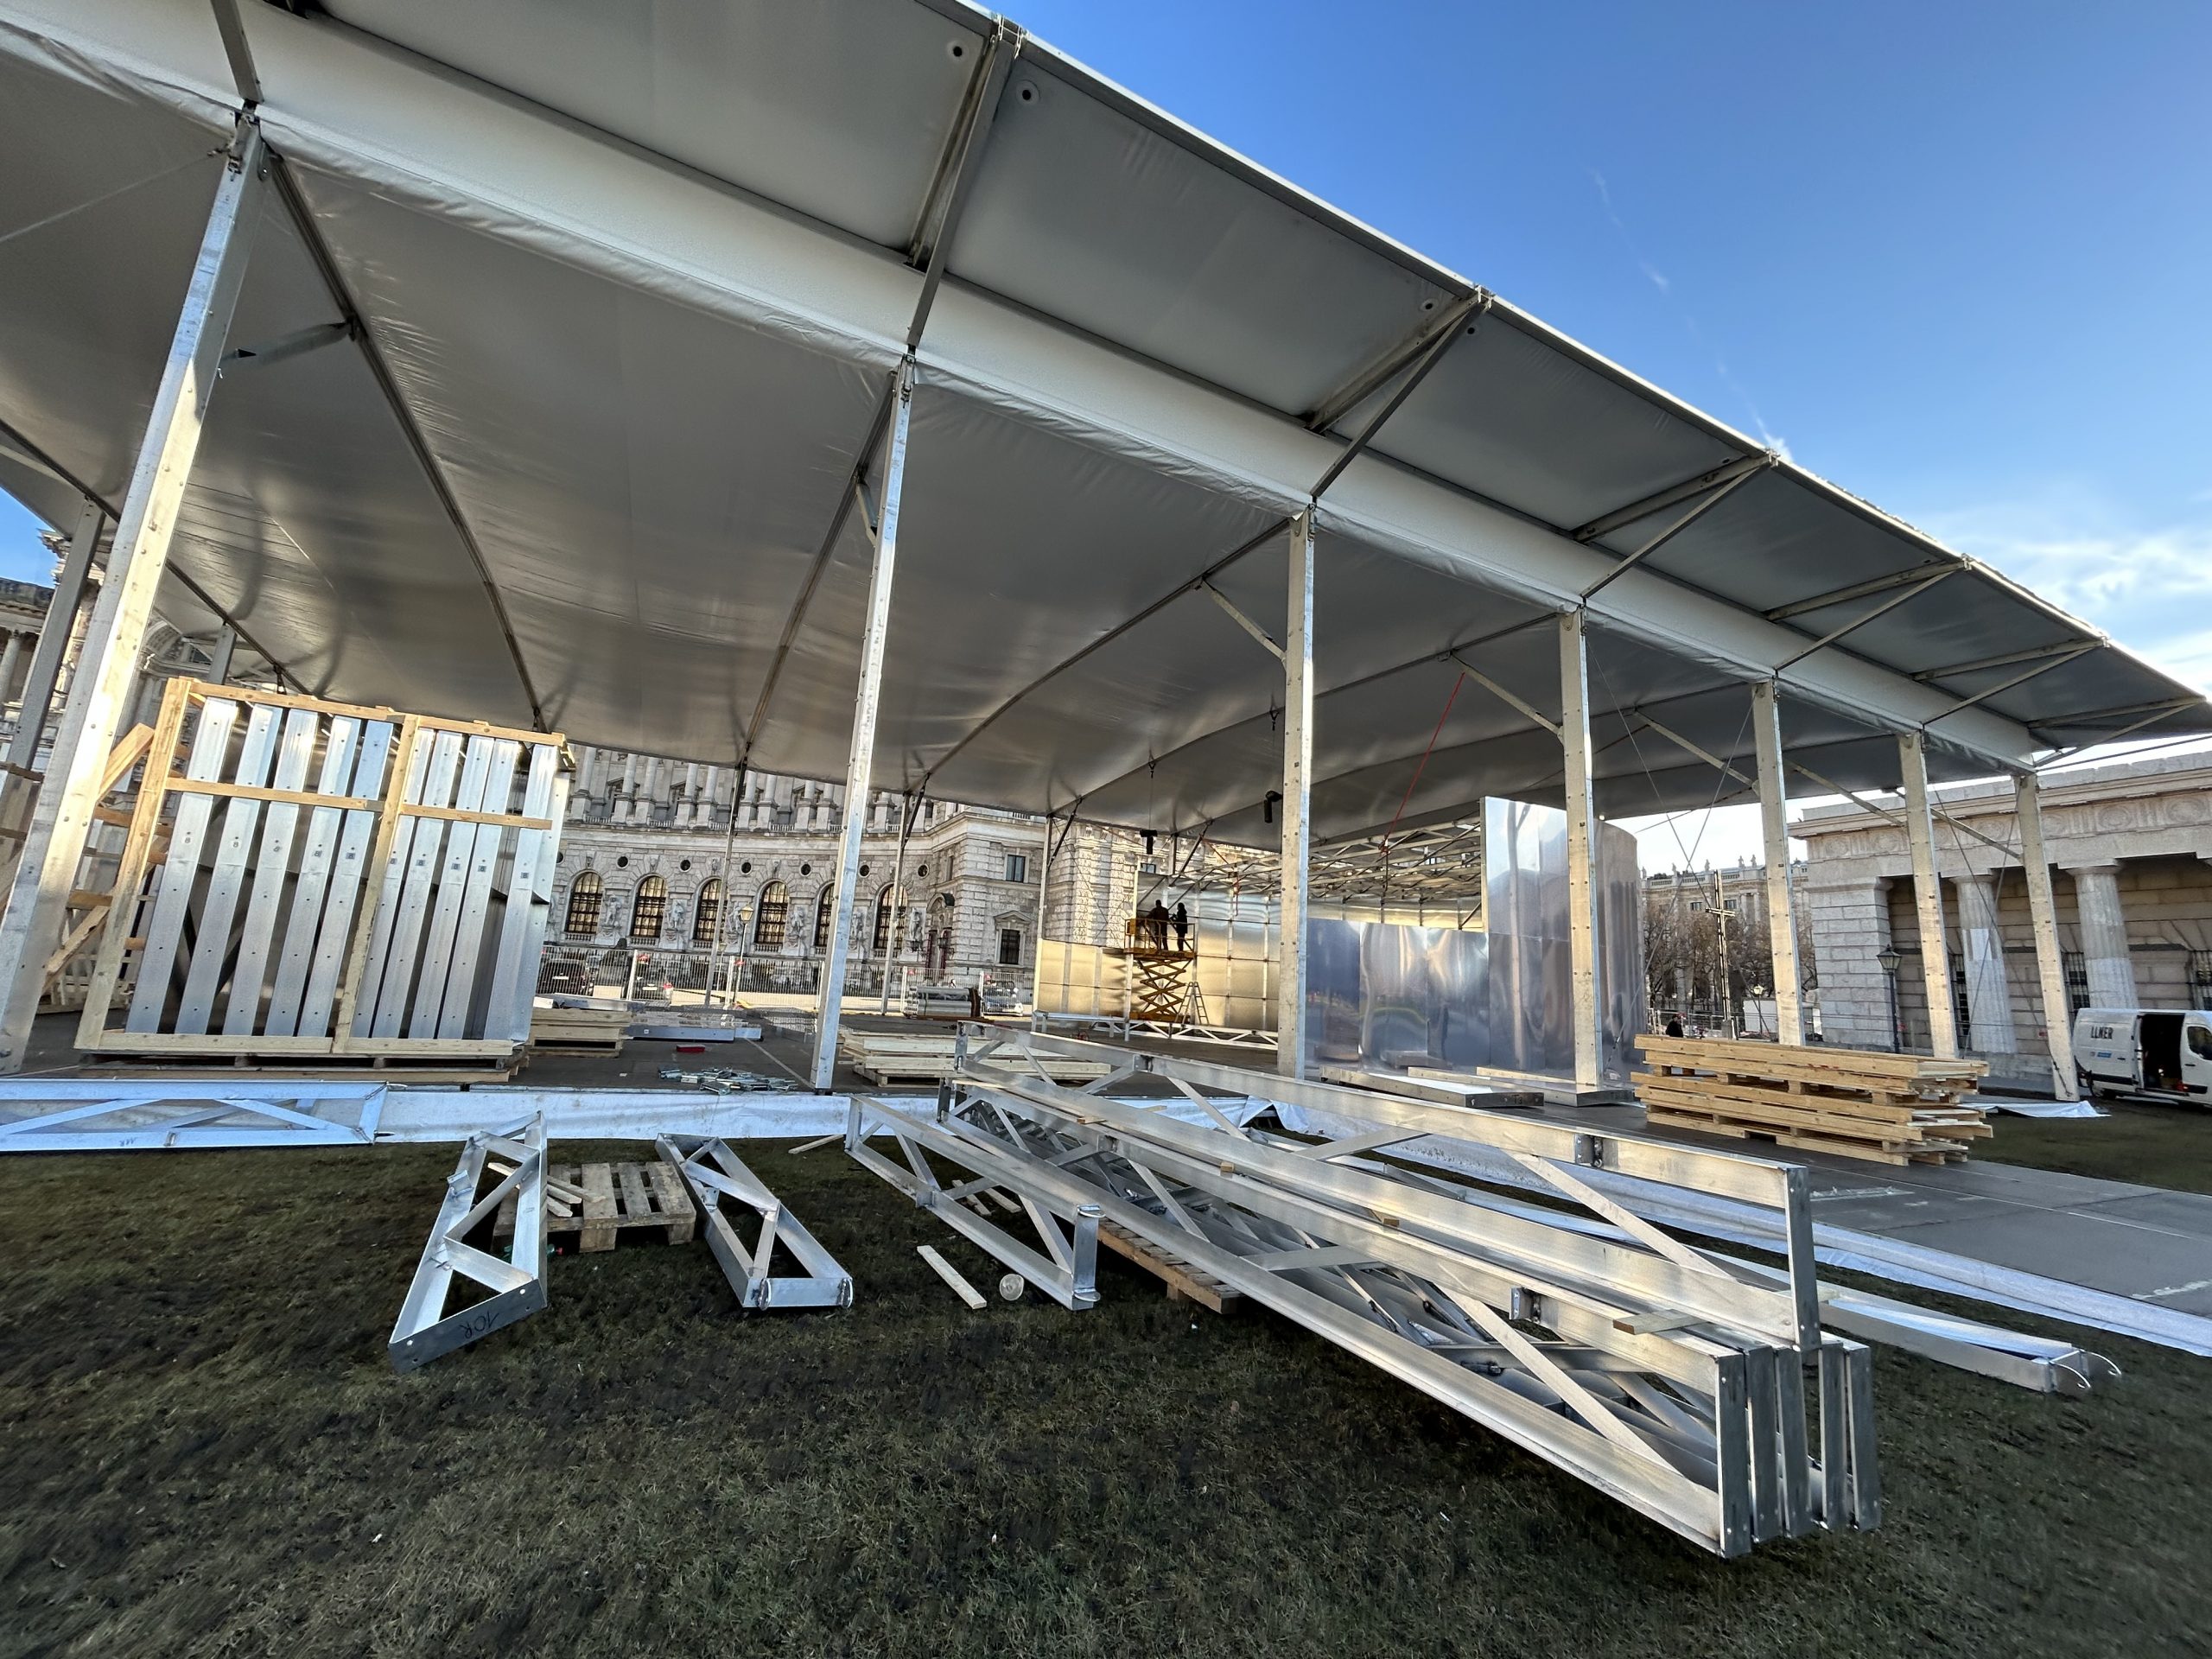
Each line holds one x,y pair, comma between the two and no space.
1889,959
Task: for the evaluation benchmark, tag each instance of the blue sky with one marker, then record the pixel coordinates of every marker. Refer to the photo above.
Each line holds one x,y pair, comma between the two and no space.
1955,257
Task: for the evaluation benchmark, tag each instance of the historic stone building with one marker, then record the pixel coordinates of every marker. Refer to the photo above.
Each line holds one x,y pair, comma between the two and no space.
676,864
2133,887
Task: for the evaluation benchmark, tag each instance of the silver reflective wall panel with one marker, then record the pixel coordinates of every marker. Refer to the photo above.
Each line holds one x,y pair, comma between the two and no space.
1389,996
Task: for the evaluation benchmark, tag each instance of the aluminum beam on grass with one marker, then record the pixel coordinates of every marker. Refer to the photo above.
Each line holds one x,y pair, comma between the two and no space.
1701,1427
859,759
714,1174
424,1329
126,1115
1067,1271
107,670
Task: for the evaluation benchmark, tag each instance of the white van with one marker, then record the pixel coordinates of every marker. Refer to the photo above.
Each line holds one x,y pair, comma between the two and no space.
2145,1051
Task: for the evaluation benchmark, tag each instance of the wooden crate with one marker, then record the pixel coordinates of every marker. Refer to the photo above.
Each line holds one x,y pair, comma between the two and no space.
1893,1109
305,880
885,1058
598,1201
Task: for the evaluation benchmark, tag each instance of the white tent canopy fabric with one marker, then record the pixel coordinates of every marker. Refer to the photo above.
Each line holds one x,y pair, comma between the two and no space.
620,290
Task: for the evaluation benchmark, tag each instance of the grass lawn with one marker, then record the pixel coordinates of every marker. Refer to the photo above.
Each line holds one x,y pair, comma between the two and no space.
206,1452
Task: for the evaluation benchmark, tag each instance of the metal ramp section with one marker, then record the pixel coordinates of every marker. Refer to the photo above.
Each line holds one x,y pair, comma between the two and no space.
124,1115
715,1174
425,1330
1637,1365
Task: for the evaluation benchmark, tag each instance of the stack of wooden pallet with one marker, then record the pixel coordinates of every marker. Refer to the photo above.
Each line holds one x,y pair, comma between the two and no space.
1889,1108
886,1057
579,1031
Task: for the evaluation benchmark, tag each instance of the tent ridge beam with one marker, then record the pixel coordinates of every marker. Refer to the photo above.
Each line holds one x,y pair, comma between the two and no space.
1713,478
940,218
1426,339
1920,572
302,218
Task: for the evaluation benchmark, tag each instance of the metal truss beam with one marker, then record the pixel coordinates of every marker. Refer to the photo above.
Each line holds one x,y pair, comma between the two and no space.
1727,473
424,1331
1918,573
715,1174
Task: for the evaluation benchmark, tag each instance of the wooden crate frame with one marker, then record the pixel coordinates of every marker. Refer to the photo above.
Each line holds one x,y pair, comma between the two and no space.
368,962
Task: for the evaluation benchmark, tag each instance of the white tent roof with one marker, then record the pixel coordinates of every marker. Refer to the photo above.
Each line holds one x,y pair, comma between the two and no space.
628,285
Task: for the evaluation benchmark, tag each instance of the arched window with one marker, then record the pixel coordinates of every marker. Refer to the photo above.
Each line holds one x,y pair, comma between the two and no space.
707,915
768,920
583,903
825,908
883,922
650,906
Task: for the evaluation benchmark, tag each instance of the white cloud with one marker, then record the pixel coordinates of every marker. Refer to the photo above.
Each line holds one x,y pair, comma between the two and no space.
2150,590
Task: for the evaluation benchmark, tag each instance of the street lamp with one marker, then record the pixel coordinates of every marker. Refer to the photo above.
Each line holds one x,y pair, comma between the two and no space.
1889,960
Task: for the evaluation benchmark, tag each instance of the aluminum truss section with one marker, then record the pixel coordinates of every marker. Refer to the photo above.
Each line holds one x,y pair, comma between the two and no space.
121,1114
1066,1269
714,1174
424,1329
1650,1379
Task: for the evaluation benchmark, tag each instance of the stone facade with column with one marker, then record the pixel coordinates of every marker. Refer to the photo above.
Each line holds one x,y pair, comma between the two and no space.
681,863
2131,844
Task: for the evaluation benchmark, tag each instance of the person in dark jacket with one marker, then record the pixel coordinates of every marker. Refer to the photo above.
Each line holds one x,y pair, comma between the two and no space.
1674,1024
1182,927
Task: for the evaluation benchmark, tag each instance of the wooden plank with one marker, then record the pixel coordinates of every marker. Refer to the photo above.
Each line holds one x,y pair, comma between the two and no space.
1899,1131
405,903
272,863
211,944
310,889
600,1216
164,928
383,754
672,1198
951,1276
323,705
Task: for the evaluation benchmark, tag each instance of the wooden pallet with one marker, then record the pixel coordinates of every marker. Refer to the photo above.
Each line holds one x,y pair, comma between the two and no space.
1184,1283
580,1030
885,1058
1892,1109
597,1201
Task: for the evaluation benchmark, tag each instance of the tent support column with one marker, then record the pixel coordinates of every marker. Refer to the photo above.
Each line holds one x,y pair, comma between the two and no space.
2043,918
55,841
218,658
1928,900
54,637
1297,783
1774,820
861,758
892,946
1581,845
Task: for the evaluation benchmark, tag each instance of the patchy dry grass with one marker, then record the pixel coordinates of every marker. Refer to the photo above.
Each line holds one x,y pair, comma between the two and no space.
206,1453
